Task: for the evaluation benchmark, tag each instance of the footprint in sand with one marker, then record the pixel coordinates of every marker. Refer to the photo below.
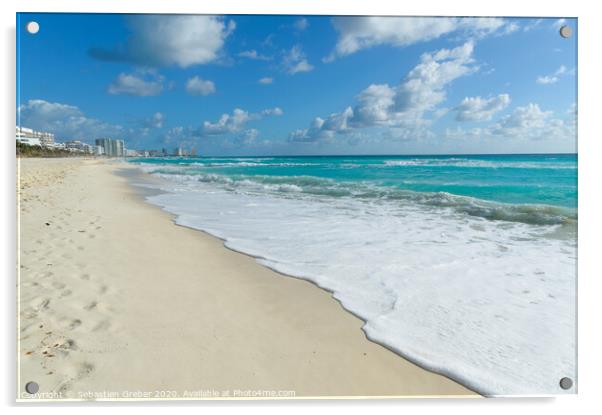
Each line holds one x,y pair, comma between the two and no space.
72,324
90,306
65,293
58,285
82,370
85,277
39,304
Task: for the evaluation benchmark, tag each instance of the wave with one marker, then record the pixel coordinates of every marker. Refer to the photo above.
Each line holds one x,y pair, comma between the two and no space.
532,214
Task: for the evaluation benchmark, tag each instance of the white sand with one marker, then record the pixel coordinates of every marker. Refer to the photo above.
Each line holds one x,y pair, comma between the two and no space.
117,301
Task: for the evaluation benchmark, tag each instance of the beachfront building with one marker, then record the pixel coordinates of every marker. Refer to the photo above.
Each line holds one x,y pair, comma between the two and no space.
111,147
34,138
79,147
30,141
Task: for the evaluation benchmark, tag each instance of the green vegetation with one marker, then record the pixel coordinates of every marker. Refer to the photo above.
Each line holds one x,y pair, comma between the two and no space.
25,150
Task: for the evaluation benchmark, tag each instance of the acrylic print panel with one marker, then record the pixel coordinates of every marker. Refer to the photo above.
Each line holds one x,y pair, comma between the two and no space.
295,206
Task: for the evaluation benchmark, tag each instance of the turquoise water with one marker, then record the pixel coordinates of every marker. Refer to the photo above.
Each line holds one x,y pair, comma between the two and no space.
540,189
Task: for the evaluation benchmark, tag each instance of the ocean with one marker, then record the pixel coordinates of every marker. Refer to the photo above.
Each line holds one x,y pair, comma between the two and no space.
465,265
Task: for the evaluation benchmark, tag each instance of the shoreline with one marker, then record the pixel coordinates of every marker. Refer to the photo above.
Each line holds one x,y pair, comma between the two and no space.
295,335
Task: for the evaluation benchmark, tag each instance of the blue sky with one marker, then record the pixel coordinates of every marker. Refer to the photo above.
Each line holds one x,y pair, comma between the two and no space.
259,85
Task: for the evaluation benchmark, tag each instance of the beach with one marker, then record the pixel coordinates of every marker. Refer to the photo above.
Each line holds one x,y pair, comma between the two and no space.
118,302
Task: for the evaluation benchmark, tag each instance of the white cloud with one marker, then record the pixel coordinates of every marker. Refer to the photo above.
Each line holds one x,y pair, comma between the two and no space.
199,86
276,111
481,109
252,54
544,80
130,84
164,40
357,33
301,24
313,133
236,122
295,61
374,104
555,77
67,122
227,123
424,87
521,120
404,105
266,80
528,122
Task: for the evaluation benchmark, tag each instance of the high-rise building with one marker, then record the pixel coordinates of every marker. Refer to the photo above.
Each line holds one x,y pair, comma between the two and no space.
119,148
111,148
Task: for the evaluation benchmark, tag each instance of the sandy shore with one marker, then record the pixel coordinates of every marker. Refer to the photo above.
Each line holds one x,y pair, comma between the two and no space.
116,301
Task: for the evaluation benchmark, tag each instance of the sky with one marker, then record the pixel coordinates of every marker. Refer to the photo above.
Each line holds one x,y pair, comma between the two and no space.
301,85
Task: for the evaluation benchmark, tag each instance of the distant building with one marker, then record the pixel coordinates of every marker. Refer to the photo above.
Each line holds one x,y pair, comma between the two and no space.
35,138
29,141
75,145
47,139
97,150
111,148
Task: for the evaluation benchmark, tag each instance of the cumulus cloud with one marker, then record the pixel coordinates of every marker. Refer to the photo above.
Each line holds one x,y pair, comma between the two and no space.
403,105
136,85
357,33
252,54
295,61
481,109
67,122
527,122
554,77
266,80
165,40
235,122
199,86
522,119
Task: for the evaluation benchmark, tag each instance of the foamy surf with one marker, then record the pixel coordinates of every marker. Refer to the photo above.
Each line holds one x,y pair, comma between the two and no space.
487,299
